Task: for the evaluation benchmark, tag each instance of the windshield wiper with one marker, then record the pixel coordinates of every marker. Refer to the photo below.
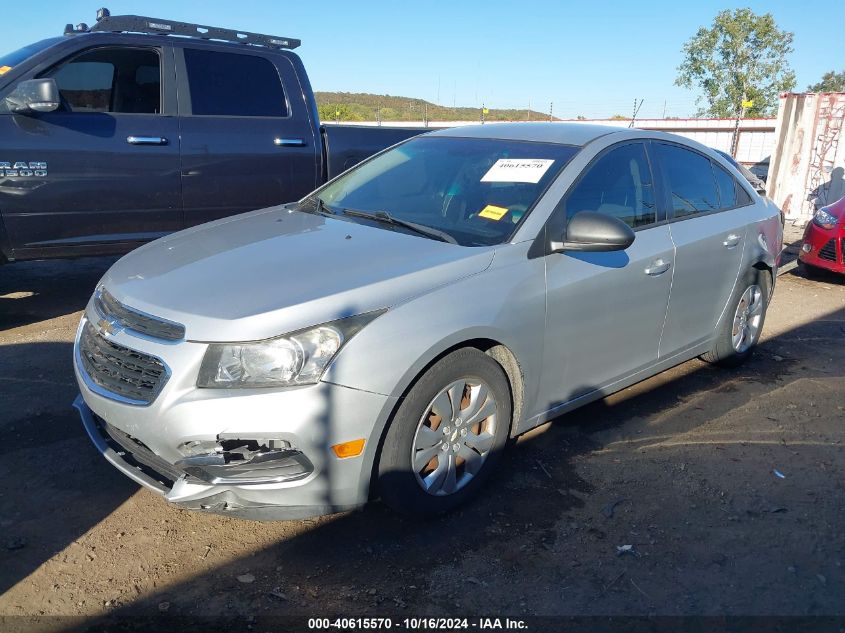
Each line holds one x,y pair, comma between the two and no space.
385,218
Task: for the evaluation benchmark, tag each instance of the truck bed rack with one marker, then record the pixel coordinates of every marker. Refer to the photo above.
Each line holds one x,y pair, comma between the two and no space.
106,22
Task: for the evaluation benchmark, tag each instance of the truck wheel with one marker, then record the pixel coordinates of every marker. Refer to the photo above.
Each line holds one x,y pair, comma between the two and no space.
743,321
447,435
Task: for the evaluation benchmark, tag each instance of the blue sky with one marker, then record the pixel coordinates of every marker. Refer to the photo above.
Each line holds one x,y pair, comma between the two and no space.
589,58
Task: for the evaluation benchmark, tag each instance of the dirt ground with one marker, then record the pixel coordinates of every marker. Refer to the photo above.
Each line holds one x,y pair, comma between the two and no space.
725,491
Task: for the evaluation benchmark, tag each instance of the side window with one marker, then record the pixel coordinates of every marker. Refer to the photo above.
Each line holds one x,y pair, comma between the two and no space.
742,196
618,184
690,180
231,84
727,188
118,80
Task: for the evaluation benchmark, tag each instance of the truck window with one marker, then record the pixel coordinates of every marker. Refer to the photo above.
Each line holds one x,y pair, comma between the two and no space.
118,80
230,84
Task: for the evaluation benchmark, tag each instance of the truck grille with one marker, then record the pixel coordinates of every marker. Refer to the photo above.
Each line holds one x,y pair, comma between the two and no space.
110,308
132,375
828,251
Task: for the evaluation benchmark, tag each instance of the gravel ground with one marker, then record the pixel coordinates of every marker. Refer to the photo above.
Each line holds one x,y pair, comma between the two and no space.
698,492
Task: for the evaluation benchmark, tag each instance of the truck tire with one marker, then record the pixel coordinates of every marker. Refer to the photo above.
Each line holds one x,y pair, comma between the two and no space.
742,323
446,437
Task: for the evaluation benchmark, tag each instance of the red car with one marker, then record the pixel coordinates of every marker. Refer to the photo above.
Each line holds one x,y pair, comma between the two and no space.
824,240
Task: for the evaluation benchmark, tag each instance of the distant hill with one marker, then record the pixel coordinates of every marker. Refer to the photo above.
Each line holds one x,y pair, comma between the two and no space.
363,106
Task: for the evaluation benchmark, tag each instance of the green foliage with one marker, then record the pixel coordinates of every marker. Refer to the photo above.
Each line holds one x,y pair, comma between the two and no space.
832,81
361,106
741,57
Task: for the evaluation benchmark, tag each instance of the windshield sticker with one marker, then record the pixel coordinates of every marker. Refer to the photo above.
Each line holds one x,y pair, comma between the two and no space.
518,170
5,69
492,212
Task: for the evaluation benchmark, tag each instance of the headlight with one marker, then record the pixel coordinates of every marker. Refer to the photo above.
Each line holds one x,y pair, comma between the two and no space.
824,219
299,358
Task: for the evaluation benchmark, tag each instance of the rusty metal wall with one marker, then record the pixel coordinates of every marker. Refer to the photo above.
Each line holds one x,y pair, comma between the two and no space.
808,163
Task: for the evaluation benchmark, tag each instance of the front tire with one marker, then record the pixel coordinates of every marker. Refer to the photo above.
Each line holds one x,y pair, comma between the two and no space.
447,435
742,324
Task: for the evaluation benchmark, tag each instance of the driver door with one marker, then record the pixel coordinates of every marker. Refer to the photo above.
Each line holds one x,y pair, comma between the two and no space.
605,310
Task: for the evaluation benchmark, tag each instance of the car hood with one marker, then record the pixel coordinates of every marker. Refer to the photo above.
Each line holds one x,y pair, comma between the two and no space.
268,272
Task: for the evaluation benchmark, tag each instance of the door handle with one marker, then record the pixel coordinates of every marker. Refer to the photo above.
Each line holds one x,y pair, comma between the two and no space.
146,140
289,142
658,267
731,240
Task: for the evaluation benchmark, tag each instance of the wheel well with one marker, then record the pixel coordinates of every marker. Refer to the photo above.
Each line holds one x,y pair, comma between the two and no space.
498,352
763,266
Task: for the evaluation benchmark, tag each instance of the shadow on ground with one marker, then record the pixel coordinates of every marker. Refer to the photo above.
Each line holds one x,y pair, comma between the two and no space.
31,292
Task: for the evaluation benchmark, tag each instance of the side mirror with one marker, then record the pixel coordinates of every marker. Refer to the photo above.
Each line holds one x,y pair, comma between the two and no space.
591,231
34,95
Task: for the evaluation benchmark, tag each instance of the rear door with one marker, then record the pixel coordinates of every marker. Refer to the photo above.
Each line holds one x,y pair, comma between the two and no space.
708,229
102,172
248,138
605,311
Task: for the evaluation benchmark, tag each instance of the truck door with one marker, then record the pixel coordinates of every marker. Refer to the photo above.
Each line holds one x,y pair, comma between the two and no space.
249,139
101,173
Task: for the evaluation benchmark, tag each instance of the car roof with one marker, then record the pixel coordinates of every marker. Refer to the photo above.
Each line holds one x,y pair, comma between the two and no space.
545,132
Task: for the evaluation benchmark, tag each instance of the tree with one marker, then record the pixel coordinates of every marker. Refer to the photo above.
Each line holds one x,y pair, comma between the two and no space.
831,82
740,58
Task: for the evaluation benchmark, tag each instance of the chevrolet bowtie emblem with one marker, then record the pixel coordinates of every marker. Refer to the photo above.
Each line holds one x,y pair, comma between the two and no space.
108,327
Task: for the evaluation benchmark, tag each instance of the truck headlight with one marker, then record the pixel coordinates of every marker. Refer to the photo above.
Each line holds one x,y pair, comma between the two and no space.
299,358
824,219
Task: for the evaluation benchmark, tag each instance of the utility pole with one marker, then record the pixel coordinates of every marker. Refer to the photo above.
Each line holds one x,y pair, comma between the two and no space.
529,110
551,108
664,108
425,117
636,110
378,113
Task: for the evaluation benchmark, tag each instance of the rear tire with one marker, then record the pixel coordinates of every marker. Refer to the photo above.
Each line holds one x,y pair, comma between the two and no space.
742,323
436,456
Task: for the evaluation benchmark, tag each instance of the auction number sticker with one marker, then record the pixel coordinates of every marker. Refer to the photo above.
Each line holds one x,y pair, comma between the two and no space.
518,170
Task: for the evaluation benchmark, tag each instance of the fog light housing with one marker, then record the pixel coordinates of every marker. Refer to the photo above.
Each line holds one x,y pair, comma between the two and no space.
806,247
246,462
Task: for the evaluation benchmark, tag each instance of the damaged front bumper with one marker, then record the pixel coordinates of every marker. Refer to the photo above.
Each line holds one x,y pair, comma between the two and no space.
264,479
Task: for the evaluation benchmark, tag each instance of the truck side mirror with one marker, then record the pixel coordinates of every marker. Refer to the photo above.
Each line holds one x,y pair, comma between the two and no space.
34,95
594,232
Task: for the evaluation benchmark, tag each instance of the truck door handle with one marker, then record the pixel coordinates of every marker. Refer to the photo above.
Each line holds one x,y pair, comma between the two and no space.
731,240
146,140
658,267
289,142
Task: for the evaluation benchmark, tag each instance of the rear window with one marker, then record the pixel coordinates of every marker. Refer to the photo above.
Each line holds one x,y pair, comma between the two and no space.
690,179
230,84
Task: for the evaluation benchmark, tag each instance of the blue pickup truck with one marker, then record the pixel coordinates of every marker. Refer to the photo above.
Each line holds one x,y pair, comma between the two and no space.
114,135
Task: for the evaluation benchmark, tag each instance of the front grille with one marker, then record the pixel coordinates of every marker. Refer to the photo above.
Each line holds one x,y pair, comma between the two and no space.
110,308
136,454
828,251
133,375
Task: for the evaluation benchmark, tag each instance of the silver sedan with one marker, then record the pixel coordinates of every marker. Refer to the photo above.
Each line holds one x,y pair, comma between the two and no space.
386,335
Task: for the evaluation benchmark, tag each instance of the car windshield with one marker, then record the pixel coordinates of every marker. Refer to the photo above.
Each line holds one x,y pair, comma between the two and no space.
475,191
10,60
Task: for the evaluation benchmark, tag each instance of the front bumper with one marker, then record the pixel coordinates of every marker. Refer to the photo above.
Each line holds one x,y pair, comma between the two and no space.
143,441
827,248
